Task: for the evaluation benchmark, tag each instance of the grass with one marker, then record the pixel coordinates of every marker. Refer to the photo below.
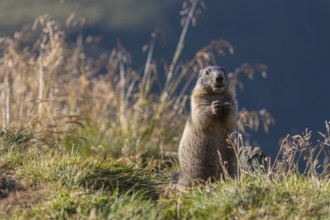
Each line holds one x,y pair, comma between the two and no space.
70,185
89,137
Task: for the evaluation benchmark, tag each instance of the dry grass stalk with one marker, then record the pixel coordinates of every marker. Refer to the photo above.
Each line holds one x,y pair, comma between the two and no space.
56,87
298,148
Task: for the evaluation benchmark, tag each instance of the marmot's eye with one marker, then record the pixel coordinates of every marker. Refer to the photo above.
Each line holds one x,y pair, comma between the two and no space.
207,72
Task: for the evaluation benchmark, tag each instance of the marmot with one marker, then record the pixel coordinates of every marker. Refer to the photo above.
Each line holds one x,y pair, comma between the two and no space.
203,151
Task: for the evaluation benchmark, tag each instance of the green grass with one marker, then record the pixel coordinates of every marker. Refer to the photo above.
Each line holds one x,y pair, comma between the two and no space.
53,184
91,139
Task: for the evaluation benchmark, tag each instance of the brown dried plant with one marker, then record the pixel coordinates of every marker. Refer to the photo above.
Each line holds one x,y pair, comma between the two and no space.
298,148
99,103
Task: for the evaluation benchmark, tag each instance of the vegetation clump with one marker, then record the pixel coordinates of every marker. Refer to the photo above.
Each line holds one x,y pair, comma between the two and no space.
90,137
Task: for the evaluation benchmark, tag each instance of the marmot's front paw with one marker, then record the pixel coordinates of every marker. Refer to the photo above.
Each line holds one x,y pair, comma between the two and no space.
226,107
216,107
219,108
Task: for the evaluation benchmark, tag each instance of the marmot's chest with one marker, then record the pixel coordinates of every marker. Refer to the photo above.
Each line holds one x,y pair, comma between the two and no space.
208,99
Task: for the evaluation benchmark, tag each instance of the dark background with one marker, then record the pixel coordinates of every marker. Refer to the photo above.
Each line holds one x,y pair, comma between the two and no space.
290,37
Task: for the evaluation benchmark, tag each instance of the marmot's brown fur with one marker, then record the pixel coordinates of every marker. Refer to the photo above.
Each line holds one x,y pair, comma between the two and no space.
203,151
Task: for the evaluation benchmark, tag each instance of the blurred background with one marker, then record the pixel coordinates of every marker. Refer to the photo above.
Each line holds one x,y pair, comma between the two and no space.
290,37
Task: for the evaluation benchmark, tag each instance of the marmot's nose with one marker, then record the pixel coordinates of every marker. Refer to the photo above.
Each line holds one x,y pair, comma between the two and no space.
219,77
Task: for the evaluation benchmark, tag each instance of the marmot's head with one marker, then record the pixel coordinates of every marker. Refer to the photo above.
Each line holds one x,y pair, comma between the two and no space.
213,79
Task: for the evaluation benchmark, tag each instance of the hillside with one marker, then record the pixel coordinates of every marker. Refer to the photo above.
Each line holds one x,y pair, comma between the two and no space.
59,185
90,137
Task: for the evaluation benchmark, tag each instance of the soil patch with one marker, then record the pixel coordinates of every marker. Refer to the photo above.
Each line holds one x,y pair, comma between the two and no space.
16,194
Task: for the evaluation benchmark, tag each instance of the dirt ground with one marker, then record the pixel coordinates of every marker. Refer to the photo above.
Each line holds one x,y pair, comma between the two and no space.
15,193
